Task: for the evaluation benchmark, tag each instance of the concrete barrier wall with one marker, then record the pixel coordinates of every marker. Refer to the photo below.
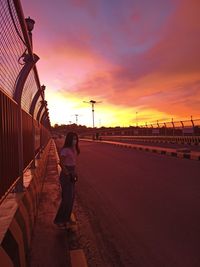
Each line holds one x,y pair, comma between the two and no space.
17,216
191,140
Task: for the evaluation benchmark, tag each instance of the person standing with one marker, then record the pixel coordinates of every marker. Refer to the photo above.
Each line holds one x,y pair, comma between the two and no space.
68,177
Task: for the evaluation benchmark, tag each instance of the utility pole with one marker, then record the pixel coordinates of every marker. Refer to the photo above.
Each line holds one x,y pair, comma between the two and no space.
136,118
76,115
92,102
76,118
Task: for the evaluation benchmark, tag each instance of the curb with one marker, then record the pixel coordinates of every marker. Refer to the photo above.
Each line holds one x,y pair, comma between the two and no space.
169,152
160,150
18,215
77,256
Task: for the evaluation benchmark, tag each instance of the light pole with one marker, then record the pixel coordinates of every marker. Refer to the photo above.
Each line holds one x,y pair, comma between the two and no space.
173,125
76,118
76,115
30,25
192,121
136,113
92,102
21,79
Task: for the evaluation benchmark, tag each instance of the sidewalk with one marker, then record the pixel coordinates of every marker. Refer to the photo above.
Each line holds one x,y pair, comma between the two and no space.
49,246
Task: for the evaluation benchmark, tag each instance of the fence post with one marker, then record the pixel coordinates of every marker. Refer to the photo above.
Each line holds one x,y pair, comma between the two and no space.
151,129
173,125
21,79
39,93
165,127
19,186
192,125
33,142
182,128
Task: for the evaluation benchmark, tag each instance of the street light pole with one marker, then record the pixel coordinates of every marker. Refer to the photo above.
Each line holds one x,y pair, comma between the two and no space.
136,118
92,102
29,63
30,25
76,115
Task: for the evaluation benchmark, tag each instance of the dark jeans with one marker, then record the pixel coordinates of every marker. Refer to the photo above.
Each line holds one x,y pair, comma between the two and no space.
66,205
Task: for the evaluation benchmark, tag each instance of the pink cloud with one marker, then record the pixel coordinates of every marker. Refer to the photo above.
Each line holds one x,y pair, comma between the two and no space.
128,58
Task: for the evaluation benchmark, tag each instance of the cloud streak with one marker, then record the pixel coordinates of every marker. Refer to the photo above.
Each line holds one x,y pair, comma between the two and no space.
132,55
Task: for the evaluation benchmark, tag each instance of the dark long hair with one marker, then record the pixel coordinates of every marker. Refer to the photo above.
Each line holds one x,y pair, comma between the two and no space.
69,141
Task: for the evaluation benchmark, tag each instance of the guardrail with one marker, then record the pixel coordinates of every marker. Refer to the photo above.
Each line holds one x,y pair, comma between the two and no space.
190,140
24,117
174,128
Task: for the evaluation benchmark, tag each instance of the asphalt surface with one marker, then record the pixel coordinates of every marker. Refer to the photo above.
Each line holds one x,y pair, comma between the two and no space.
143,208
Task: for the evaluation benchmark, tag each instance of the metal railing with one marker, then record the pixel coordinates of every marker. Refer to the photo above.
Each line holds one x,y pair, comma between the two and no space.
22,132
173,128
174,132
181,140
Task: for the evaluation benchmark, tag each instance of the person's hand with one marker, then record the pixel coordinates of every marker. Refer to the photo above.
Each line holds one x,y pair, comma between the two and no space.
74,178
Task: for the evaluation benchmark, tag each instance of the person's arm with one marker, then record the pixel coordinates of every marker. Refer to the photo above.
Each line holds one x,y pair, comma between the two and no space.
64,169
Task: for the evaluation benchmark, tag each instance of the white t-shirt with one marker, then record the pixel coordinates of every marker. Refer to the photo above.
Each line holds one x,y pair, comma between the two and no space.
69,155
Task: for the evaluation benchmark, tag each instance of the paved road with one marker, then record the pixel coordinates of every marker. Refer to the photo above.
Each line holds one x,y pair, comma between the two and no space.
144,208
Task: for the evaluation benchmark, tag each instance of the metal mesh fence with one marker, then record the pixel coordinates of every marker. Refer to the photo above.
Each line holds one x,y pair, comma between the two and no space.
37,107
165,129
12,46
37,136
175,124
42,114
27,139
30,88
9,168
20,136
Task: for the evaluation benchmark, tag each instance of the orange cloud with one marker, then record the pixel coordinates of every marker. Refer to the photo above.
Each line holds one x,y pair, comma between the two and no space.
133,59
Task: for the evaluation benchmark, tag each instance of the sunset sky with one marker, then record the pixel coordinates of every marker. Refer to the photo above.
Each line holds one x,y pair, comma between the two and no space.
136,56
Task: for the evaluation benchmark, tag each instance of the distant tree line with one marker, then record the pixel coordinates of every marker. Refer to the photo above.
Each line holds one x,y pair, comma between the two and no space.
79,129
